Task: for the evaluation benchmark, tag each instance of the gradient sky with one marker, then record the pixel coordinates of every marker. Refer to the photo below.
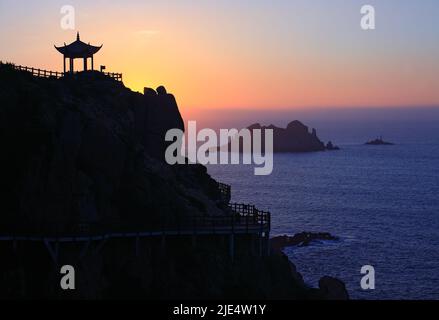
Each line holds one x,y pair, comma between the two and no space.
277,54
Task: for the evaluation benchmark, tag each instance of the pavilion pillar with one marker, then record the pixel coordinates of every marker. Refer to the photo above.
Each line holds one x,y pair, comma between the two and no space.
85,64
92,63
64,64
71,65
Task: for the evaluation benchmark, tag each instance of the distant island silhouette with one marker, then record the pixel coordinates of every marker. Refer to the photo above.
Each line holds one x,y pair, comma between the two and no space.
295,138
379,142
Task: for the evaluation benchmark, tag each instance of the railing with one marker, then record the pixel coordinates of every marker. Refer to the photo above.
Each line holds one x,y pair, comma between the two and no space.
39,72
241,219
226,193
48,74
249,213
115,76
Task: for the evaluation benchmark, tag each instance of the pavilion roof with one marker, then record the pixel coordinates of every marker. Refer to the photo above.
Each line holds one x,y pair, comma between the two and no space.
78,49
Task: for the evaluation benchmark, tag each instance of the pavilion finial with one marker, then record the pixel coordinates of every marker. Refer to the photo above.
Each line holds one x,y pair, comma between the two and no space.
77,36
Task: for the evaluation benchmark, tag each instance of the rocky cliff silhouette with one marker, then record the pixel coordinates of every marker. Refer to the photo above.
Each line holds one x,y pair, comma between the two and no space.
84,149
88,150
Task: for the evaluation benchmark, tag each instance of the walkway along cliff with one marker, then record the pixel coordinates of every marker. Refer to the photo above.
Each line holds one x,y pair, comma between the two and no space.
83,182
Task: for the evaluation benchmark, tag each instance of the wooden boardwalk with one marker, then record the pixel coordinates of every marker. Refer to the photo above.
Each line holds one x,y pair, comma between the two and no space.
243,220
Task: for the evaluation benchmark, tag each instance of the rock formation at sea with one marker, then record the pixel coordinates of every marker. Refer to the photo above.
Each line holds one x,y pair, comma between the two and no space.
379,142
296,137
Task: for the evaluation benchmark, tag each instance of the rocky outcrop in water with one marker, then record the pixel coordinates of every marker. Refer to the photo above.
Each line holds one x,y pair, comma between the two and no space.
295,138
379,142
331,147
329,288
333,289
300,239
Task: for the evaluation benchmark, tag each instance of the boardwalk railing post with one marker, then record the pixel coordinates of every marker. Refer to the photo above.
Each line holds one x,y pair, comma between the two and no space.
194,233
267,233
194,240
261,230
137,245
84,250
232,239
213,226
52,252
163,241
232,246
267,242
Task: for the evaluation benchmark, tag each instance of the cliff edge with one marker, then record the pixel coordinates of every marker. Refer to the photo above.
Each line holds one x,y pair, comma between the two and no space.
86,151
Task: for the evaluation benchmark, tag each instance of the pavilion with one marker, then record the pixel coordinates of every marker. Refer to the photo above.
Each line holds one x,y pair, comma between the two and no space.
78,50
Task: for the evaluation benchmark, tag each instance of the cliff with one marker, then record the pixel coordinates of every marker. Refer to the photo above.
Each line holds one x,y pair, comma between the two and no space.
85,150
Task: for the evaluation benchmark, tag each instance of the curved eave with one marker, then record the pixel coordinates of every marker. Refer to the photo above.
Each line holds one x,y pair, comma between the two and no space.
60,49
91,50
96,49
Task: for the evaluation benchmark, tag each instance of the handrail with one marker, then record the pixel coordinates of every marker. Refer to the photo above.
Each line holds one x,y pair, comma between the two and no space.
241,218
40,73
226,192
115,76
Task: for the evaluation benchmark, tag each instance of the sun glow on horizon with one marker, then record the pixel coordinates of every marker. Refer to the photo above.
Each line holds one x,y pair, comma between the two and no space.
287,55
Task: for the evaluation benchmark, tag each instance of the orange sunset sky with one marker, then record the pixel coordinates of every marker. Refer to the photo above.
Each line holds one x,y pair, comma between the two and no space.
244,54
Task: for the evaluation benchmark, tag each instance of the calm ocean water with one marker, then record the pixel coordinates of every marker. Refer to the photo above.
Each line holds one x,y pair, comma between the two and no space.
383,202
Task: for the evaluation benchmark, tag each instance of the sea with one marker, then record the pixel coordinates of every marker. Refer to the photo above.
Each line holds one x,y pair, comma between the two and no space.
381,201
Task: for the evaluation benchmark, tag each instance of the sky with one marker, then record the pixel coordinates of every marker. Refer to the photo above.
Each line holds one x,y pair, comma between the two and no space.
231,55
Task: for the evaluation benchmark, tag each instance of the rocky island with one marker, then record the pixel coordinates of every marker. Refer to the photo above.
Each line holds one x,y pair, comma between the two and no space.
295,138
302,239
82,156
379,142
